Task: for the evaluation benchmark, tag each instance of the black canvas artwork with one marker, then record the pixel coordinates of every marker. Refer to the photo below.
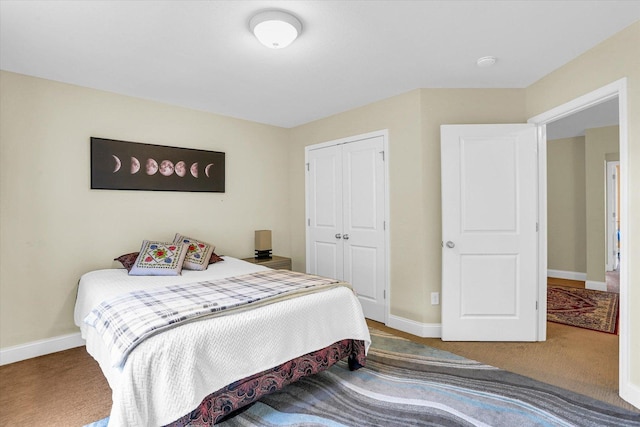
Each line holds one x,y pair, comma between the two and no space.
122,165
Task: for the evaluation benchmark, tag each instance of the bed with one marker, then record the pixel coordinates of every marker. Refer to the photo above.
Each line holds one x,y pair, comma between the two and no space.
199,371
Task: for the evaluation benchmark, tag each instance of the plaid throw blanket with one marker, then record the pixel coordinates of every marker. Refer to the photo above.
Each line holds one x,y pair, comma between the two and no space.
126,320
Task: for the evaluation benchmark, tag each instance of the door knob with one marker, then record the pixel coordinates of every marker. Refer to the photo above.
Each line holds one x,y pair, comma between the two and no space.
450,244
338,236
345,237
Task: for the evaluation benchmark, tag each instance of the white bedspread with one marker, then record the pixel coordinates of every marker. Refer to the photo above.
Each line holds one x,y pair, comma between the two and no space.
169,374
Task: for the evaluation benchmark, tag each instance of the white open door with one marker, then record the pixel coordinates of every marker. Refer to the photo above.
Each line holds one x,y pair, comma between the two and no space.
489,232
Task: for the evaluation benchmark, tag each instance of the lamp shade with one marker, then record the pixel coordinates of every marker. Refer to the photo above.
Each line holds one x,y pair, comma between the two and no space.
263,240
275,29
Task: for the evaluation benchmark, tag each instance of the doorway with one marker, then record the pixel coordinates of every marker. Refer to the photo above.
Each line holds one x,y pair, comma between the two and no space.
616,90
582,162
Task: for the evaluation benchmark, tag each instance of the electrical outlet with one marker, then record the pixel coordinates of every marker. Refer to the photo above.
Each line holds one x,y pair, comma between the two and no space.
435,298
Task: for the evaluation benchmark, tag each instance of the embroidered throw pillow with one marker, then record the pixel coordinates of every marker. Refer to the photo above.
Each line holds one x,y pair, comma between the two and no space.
198,253
159,259
127,260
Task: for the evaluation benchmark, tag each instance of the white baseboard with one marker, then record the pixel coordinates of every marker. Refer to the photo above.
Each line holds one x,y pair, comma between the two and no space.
595,286
423,330
39,348
569,275
630,393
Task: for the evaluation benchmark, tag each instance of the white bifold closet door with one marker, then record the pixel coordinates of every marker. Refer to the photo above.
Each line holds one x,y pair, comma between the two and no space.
346,218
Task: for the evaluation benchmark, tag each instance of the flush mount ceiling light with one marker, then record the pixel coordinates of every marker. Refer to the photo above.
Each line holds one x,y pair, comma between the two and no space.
486,61
275,29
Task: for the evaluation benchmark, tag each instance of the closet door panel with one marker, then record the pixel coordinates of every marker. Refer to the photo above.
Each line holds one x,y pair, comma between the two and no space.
325,208
364,245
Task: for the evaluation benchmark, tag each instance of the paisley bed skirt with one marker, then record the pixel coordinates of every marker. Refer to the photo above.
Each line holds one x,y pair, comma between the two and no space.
221,403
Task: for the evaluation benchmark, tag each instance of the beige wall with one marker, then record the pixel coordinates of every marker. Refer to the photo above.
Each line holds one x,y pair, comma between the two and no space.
615,58
600,143
413,120
566,206
54,228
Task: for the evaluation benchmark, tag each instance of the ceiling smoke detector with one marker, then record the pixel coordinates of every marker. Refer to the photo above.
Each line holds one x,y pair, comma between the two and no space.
486,61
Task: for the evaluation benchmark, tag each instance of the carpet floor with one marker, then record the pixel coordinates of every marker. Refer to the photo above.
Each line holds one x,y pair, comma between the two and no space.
410,384
584,308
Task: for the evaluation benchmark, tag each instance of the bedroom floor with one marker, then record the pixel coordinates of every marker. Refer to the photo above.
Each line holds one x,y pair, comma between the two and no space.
60,389
68,389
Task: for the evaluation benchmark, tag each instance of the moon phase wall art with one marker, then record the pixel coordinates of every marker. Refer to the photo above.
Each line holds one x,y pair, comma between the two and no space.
122,165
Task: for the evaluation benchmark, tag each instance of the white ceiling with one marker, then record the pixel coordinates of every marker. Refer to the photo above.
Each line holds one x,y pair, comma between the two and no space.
201,55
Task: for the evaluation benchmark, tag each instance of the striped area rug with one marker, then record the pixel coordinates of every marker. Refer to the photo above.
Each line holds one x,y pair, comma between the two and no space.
409,384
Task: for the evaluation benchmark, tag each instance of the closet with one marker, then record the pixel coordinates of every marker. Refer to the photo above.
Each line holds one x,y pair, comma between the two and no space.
346,205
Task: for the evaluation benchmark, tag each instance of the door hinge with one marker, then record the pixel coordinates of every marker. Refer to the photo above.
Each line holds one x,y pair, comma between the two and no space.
307,167
309,222
384,294
384,225
536,305
537,227
382,152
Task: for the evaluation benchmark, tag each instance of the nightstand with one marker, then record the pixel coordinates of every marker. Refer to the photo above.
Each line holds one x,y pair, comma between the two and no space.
275,262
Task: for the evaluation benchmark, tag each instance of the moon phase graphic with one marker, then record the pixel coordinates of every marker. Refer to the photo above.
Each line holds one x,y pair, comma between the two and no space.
194,170
135,165
206,169
181,169
118,163
166,168
151,167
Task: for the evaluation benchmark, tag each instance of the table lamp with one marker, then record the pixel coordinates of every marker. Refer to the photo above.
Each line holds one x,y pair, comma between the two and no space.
263,244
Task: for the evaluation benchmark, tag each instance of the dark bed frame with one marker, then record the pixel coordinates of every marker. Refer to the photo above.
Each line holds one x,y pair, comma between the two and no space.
222,403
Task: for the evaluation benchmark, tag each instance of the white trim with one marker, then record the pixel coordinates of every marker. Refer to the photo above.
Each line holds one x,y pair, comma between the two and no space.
625,238
387,235
40,348
569,275
616,89
423,330
581,103
595,286
382,132
387,202
542,233
631,393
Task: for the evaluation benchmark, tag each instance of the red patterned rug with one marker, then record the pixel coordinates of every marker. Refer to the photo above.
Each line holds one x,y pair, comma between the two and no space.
583,308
